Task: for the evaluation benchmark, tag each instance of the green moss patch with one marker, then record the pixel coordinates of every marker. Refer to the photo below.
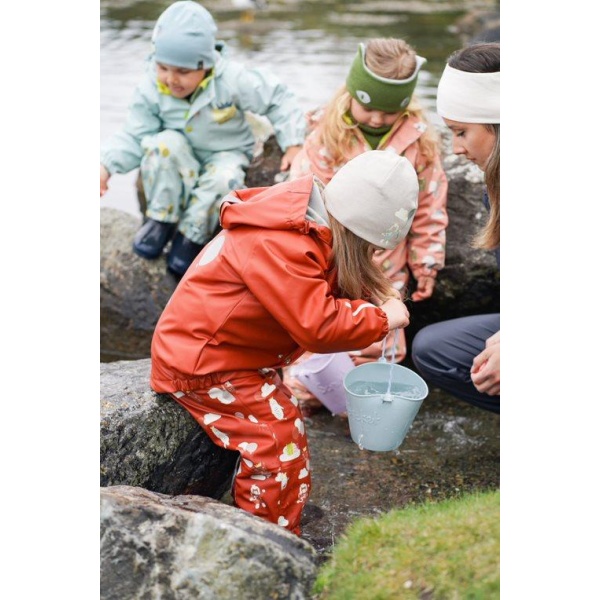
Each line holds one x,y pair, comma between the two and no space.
439,550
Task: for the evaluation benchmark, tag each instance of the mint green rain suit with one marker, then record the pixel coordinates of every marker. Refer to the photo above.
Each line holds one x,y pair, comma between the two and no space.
192,152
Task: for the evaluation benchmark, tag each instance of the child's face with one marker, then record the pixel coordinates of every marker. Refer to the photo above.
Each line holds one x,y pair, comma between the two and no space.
181,82
474,140
370,117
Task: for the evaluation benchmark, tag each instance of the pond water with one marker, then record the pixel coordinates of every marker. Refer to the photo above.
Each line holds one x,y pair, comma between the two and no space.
308,44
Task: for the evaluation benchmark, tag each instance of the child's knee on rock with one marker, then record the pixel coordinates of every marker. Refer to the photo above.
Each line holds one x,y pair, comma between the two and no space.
223,179
166,143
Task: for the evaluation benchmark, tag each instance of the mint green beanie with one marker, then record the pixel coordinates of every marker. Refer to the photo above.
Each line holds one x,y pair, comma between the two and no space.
184,36
380,93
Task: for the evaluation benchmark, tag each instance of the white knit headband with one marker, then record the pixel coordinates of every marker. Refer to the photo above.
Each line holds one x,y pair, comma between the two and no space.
469,97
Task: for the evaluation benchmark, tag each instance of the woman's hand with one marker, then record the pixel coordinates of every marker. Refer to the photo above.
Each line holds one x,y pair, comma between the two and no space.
288,157
485,372
104,177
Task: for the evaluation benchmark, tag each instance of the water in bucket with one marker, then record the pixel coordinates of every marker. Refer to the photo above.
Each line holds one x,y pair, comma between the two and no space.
382,400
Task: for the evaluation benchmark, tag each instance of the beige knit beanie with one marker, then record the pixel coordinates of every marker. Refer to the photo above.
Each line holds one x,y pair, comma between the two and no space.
374,195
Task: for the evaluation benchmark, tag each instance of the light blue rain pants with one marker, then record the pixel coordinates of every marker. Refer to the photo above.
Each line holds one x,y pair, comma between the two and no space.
182,187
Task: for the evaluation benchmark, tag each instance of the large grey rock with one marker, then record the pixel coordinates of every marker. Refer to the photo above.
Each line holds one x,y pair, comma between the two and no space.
148,440
133,291
155,547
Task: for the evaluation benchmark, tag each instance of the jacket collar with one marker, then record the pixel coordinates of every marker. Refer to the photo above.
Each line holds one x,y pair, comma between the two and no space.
281,206
205,95
404,132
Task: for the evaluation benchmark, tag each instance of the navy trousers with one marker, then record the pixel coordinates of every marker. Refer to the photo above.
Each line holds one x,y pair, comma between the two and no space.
444,352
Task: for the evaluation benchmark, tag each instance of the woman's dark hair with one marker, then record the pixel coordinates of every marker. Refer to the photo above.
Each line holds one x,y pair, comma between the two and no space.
477,58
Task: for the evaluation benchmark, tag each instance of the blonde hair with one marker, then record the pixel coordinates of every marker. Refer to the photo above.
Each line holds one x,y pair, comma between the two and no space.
390,58
358,275
488,238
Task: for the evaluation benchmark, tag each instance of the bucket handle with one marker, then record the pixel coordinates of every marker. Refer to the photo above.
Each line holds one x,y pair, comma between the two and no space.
382,357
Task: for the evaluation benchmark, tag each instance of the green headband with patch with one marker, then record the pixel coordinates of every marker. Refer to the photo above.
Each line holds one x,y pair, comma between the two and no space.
380,93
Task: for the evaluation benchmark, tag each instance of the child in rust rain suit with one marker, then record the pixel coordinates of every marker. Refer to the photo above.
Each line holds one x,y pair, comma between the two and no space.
291,271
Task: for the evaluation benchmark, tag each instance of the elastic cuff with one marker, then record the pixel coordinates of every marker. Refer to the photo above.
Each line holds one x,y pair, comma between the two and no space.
386,324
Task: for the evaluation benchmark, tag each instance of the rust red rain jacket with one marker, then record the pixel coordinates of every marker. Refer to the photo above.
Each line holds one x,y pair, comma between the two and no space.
260,294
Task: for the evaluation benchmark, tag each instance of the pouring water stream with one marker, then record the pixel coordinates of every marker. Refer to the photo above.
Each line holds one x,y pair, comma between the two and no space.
388,394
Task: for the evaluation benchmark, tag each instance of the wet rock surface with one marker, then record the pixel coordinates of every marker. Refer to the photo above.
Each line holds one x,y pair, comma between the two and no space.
452,448
147,440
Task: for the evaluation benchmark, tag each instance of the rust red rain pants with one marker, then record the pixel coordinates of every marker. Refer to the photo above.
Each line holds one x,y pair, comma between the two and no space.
254,413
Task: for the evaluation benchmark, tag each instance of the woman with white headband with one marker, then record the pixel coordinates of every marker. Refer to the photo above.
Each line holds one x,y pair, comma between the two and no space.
462,356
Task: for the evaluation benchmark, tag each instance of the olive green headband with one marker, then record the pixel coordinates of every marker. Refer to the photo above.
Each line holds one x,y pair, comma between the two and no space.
380,93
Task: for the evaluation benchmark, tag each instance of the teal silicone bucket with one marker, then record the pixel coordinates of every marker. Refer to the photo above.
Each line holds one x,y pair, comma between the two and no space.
380,420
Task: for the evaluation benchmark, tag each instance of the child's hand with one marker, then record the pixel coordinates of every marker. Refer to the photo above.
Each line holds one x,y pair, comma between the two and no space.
485,372
396,312
288,157
424,289
104,177
373,352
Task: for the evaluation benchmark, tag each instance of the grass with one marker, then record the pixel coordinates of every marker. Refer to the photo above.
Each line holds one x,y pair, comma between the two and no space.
446,550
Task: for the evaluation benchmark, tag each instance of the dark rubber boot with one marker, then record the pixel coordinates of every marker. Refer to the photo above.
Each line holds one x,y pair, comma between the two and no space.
152,237
181,255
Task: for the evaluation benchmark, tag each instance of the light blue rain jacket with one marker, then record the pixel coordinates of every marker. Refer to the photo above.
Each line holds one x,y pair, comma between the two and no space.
214,121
